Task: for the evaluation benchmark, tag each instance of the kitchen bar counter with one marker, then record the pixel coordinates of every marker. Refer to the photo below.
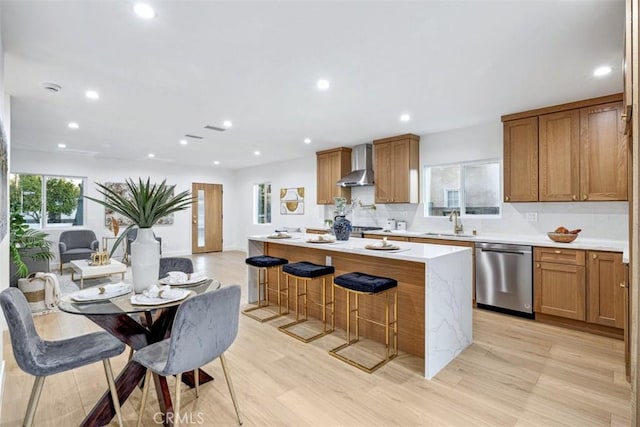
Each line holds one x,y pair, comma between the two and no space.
434,289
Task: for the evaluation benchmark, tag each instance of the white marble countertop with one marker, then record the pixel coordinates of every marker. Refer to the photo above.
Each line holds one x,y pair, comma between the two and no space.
407,251
523,239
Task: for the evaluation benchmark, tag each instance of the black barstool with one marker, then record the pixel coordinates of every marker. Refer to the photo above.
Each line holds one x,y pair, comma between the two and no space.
366,284
263,264
306,272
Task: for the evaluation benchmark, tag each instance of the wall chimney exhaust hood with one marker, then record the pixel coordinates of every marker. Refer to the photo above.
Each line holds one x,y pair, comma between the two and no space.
361,165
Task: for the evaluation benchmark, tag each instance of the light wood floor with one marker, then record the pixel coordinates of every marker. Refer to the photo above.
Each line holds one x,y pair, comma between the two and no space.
516,373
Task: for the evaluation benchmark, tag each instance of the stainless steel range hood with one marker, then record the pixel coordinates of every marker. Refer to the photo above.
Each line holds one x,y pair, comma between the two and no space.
362,167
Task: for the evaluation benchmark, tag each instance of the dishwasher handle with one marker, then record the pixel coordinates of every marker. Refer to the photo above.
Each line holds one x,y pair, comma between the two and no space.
502,251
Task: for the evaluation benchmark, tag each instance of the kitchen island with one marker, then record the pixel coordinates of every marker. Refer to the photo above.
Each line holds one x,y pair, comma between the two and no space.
434,289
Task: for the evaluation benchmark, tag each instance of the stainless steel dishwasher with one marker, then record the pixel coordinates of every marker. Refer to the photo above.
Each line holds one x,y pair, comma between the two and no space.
504,278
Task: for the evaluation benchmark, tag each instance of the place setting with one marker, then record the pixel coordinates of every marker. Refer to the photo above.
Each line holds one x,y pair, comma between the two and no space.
101,293
179,278
321,238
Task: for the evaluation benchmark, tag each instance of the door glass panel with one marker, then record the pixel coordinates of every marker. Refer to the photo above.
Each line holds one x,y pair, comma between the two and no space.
201,221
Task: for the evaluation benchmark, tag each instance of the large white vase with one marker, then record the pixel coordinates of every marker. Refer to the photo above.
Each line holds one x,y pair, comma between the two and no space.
145,260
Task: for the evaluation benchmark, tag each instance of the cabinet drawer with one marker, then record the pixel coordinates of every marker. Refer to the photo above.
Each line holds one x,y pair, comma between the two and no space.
562,256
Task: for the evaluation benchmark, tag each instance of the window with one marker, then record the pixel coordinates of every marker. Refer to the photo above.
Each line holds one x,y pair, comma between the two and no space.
473,189
47,201
262,210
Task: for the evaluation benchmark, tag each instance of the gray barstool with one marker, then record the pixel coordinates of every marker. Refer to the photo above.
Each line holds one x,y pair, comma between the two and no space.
366,284
264,263
307,272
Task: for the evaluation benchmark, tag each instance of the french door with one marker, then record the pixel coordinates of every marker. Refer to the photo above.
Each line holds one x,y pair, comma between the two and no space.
206,220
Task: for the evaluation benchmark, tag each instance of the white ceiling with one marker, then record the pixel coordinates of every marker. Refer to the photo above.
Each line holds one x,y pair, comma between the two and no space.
449,64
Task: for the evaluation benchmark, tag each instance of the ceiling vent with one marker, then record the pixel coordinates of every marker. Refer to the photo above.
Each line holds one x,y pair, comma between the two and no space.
216,128
52,87
193,136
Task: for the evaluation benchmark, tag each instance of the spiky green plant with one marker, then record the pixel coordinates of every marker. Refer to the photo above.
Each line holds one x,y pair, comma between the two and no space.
25,242
145,204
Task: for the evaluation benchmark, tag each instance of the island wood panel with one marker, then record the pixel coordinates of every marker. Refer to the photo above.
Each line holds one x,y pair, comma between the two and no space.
411,291
390,237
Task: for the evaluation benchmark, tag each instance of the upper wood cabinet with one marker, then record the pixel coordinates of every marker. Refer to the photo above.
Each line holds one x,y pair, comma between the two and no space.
521,160
559,144
397,169
629,45
570,152
603,153
331,166
606,289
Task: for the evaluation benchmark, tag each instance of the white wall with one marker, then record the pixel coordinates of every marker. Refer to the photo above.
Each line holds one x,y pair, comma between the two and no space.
292,173
176,238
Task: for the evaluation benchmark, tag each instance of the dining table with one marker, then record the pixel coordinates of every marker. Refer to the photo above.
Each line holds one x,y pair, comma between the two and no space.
137,326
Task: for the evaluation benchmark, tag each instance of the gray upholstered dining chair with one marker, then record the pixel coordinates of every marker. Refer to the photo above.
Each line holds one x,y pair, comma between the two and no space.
42,358
77,244
205,326
174,264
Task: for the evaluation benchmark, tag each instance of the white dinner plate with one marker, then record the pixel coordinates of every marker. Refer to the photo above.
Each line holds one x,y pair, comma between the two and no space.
100,293
167,296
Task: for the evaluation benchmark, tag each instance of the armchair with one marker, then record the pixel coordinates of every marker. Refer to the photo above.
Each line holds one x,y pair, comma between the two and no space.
77,244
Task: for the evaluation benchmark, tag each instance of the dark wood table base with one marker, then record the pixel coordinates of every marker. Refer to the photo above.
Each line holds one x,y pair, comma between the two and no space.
137,336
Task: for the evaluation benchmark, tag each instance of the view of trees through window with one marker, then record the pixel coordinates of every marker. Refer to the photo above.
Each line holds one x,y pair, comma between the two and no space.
47,200
469,188
262,203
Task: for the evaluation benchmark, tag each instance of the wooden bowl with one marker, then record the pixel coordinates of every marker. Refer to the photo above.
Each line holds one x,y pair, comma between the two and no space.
562,237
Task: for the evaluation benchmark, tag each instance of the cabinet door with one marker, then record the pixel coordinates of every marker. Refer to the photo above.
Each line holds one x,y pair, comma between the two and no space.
331,166
559,156
400,175
606,297
323,178
521,160
603,153
383,154
559,290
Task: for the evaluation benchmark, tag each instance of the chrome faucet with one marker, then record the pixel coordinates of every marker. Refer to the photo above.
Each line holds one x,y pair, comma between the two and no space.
457,225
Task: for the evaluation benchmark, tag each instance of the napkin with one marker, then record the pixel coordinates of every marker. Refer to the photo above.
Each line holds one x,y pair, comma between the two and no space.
102,292
156,291
176,277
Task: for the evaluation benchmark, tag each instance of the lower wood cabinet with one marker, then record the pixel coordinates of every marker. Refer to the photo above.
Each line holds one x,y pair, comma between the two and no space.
586,286
559,290
606,289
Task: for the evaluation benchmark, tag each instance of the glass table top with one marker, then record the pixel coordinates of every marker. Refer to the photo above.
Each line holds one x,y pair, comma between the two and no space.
122,304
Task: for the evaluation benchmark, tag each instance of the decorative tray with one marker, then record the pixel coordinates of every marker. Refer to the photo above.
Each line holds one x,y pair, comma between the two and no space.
101,293
97,264
319,241
382,248
278,236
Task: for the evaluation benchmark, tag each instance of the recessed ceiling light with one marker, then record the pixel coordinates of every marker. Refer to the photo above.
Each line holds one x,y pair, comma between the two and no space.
73,125
215,162
183,142
227,123
144,11
405,118
62,145
92,94
602,71
151,155
257,153
307,140
323,84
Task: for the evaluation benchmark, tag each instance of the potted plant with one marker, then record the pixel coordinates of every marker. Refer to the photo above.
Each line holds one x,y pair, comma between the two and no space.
144,206
28,248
